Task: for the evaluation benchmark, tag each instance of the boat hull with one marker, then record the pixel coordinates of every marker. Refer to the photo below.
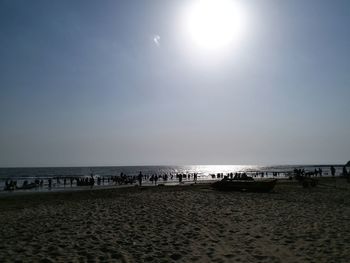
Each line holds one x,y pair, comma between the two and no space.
245,185
27,186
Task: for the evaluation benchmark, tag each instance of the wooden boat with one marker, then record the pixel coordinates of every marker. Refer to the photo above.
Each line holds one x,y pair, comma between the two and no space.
9,187
250,185
27,186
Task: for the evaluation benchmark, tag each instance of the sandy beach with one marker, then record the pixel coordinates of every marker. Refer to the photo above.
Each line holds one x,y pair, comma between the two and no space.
177,224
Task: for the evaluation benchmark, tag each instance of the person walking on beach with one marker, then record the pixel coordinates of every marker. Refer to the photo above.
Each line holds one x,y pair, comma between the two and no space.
140,178
50,183
332,171
180,178
345,172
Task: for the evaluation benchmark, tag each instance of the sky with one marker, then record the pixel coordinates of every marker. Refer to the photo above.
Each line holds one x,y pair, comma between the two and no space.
87,83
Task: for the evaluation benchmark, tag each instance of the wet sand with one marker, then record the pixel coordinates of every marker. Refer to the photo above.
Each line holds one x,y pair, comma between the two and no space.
177,224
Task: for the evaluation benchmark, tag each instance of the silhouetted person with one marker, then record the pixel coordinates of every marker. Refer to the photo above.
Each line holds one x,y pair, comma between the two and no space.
320,171
345,172
139,177
50,182
332,170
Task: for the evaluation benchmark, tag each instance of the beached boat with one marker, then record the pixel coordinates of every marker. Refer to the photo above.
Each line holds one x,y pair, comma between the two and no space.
9,187
264,185
27,186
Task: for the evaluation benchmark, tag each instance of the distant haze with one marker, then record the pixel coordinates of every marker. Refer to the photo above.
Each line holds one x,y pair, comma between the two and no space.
120,83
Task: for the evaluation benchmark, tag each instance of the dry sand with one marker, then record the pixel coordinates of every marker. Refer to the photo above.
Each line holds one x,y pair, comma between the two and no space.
177,224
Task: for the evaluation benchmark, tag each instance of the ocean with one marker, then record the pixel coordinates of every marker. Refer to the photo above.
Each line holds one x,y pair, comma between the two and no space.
57,174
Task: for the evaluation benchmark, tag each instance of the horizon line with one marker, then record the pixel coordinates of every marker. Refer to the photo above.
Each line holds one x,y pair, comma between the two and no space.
165,165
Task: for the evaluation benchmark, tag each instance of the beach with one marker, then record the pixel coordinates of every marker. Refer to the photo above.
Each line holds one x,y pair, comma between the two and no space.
177,224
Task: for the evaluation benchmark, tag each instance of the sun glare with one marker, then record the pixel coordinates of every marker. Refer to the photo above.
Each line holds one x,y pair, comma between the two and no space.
214,24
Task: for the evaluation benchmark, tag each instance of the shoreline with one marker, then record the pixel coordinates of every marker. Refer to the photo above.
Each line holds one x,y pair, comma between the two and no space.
325,181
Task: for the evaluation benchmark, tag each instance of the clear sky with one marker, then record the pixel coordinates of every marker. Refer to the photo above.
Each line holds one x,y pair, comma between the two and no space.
125,83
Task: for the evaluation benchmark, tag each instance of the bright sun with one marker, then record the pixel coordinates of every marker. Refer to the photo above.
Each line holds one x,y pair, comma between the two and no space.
214,24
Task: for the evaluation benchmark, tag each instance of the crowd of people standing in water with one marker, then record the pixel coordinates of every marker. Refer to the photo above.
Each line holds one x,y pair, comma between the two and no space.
156,179
95,180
